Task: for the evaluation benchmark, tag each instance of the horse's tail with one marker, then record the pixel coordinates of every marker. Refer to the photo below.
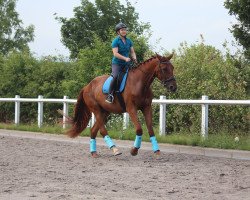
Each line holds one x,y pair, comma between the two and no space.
81,117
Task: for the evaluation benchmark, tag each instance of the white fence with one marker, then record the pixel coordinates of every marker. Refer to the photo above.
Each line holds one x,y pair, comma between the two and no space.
204,102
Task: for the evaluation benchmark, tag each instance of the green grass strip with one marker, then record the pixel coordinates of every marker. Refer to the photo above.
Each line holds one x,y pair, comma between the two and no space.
219,140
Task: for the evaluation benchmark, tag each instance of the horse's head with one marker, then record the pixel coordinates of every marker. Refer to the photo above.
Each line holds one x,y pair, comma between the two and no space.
165,72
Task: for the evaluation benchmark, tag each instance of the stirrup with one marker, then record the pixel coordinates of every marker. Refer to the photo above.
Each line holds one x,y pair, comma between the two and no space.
110,98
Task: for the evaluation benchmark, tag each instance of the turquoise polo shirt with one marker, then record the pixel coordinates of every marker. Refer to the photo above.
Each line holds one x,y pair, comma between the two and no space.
123,49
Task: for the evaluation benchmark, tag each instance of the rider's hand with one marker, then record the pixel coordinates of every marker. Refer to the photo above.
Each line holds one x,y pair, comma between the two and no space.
135,61
127,59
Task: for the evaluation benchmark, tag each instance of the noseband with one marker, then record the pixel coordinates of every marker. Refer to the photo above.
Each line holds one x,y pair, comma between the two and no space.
166,81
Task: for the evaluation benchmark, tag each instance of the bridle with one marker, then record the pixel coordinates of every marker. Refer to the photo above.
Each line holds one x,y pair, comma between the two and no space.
166,81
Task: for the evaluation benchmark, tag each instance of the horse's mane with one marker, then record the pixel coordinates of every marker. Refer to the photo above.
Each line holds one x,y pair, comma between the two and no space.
142,63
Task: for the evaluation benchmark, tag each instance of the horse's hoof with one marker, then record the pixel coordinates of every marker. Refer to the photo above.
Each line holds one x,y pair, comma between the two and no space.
94,155
134,151
116,151
157,154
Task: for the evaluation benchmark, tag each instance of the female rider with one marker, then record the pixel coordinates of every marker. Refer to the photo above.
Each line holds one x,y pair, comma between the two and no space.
122,47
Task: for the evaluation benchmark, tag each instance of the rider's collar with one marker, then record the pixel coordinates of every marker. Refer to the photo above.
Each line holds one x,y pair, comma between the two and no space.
120,37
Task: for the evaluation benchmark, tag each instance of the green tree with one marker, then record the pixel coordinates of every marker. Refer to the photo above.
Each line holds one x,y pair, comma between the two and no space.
97,19
16,73
203,70
241,30
12,34
22,74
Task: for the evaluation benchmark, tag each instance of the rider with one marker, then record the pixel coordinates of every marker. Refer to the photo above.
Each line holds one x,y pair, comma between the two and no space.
121,47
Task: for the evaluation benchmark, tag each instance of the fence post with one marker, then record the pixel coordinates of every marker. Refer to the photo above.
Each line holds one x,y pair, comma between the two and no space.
204,118
162,117
17,110
65,111
125,120
40,112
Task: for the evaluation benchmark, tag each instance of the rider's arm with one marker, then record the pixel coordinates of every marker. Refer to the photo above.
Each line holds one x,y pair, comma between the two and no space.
119,56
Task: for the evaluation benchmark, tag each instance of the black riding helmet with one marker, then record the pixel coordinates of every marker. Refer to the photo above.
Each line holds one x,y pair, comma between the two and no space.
120,26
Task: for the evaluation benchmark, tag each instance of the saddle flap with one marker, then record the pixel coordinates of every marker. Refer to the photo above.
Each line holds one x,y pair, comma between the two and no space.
105,87
122,83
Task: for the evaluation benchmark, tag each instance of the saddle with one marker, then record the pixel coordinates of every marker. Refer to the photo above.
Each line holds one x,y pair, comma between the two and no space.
119,86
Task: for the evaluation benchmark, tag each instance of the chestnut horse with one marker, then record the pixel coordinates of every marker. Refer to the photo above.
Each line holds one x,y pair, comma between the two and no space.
137,95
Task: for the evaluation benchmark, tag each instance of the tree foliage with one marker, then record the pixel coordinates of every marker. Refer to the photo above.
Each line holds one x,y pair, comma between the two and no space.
241,30
97,18
12,34
22,74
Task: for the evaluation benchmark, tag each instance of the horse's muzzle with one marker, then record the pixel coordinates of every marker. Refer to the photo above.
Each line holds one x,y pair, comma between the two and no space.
171,86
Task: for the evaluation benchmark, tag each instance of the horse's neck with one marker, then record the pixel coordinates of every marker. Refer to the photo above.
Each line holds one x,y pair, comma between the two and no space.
150,66
146,74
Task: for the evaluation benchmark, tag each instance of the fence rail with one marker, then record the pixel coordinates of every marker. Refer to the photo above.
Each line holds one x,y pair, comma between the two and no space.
204,102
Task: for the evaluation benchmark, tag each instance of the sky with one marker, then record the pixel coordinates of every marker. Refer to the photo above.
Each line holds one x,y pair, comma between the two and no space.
172,22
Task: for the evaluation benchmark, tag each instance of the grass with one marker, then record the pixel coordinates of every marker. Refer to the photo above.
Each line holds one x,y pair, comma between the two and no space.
33,128
221,140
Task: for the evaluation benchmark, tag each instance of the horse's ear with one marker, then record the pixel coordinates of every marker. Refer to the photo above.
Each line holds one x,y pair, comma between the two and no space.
170,56
158,56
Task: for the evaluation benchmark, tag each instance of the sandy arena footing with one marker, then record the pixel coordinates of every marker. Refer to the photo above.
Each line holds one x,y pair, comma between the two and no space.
43,166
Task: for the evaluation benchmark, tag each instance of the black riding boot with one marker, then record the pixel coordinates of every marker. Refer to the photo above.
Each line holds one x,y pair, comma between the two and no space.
110,97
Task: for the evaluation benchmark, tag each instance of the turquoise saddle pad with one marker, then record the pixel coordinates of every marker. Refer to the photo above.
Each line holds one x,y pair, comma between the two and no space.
105,87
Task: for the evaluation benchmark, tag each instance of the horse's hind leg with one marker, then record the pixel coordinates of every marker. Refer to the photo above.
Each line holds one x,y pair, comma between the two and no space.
93,134
100,123
134,117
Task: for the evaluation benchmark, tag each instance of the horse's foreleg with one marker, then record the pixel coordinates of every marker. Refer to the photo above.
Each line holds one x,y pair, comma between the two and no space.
147,112
138,138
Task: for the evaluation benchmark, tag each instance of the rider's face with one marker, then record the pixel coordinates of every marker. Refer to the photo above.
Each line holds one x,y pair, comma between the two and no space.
123,32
